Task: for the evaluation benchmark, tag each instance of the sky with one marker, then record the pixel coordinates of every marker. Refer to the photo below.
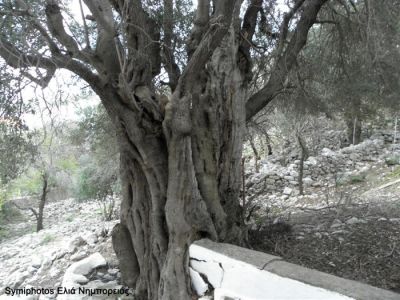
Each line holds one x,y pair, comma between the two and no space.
61,101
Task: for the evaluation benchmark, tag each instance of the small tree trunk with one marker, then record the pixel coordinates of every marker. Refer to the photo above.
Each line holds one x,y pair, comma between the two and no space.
42,202
395,131
303,156
255,151
268,142
354,129
243,188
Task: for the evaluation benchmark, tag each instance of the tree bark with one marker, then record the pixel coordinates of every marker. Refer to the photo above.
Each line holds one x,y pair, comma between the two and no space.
180,179
354,130
303,156
255,152
268,143
43,198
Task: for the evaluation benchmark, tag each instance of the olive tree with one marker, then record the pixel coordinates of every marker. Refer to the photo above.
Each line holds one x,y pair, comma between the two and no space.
180,153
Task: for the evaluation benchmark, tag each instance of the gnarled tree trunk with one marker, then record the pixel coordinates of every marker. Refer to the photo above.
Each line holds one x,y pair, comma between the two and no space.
181,179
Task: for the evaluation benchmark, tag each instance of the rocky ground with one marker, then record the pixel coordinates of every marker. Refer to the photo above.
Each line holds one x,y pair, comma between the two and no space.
73,249
350,229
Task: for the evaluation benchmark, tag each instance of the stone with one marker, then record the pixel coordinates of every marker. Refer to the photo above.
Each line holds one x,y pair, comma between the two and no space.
36,262
32,270
75,243
17,279
327,152
354,220
307,181
46,263
112,271
287,191
75,274
270,181
78,256
339,232
54,272
336,223
91,238
60,254
311,161
108,277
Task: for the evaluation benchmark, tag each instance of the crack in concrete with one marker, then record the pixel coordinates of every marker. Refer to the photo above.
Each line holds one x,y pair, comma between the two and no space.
269,262
196,259
223,274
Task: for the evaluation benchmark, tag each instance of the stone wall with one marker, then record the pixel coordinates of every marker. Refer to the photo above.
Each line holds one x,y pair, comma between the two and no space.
328,166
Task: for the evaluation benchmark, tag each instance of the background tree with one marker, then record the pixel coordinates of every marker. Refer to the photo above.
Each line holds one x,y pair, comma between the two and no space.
49,174
98,174
353,58
16,147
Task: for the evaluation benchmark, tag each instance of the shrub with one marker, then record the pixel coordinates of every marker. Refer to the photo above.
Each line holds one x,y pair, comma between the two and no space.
393,160
47,239
101,185
8,212
347,178
357,178
2,199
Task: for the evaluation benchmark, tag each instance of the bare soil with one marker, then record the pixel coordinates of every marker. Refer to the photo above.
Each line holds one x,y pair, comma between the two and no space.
366,249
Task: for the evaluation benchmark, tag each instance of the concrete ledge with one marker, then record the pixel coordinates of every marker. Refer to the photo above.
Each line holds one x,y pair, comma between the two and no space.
266,263
251,257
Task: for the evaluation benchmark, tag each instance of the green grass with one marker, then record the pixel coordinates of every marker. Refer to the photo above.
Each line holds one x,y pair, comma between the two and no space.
351,179
3,233
394,174
47,239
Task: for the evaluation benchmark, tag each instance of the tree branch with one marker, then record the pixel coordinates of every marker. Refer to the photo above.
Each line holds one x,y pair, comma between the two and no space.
35,213
285,24
102,12
199,25
17,59
169,61
84,25
56,26
247,32
210,41
286,61
25,11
